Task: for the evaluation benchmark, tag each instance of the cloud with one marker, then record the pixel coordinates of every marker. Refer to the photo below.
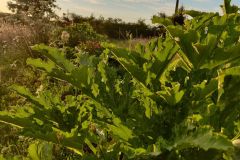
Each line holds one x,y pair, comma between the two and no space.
145,6
94,1
202,1
3,6
83,9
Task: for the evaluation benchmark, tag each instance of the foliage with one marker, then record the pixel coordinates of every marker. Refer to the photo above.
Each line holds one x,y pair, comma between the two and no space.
194,13
36,151
78,33
36,9
116,28
16,37
77,38
228,8
176,19
176,97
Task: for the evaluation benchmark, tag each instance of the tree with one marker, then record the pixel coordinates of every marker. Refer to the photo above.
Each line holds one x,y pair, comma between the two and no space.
34,8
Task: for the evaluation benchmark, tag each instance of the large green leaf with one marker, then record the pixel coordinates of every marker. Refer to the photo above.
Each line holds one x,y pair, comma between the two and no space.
55,55
203,138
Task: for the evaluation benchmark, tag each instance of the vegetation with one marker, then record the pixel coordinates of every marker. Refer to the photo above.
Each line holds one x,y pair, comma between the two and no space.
116,28
33,8
175,97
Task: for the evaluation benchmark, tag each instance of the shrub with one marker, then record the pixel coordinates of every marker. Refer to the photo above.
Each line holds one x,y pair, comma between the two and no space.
78,33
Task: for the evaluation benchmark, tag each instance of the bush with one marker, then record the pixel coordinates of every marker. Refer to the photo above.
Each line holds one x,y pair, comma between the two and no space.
78,33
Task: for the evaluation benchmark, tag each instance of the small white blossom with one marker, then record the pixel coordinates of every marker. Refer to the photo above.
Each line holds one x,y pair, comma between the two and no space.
177,39
65,36
236,143
40,89
100,133
206,30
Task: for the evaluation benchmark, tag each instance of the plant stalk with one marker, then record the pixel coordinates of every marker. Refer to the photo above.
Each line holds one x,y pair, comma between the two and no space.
176,7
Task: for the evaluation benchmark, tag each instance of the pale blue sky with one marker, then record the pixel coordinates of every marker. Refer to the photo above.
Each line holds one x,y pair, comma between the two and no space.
130,10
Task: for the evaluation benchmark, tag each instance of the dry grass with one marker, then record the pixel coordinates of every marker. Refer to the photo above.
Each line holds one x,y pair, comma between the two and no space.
14,40
9,31
15,47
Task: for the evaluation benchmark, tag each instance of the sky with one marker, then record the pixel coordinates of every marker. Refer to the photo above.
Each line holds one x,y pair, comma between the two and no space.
129,10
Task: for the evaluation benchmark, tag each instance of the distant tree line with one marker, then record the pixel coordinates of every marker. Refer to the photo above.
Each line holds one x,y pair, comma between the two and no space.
114,27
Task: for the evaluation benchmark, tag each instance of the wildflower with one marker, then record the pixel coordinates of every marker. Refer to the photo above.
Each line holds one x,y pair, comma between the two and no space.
177,39
206,30
100,133
40,89
236,143
65,36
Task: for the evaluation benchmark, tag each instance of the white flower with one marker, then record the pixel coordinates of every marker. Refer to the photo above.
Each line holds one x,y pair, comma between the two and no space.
100,133
206,30
40,89
65,36
236,143
177,39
